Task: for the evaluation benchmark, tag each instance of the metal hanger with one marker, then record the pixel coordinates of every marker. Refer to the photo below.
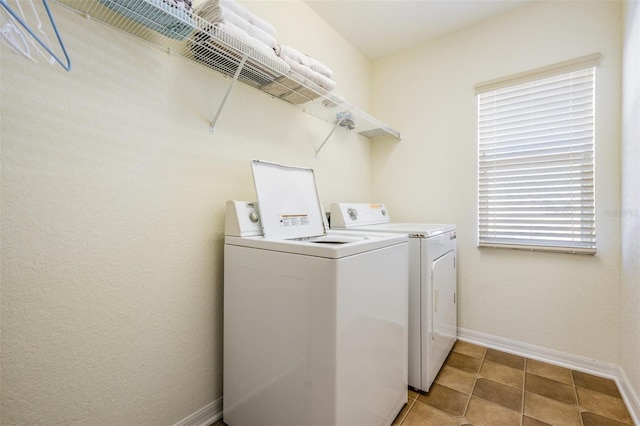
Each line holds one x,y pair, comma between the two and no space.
8,8
49,58
12,37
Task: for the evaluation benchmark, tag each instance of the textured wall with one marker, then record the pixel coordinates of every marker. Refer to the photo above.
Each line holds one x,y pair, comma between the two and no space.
112,215
630,336
569,303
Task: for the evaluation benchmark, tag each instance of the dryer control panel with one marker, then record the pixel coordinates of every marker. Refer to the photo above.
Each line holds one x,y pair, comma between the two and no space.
348,215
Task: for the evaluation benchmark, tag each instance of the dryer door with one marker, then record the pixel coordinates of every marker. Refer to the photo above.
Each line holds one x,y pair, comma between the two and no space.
443,310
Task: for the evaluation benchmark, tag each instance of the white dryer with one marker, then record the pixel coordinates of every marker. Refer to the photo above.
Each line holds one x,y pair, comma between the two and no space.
315,321
432,284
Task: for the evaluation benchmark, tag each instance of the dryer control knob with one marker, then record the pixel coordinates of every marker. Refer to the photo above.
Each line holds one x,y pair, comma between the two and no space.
353,213
384,212
253,217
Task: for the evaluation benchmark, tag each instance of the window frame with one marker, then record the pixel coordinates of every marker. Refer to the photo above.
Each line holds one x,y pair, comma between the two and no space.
554,228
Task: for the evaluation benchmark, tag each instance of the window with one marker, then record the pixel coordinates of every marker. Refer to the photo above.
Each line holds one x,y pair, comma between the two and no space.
536,159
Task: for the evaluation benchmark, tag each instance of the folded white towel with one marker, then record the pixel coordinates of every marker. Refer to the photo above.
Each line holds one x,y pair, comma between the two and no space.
214,12
239,34
228,15
314,76
303,59
249,16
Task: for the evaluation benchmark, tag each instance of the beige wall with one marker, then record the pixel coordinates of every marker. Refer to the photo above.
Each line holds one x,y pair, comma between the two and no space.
112,193
630,321
566,303
112,214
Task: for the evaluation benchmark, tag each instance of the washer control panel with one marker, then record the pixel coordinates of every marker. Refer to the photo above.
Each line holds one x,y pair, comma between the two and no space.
242,219
347,215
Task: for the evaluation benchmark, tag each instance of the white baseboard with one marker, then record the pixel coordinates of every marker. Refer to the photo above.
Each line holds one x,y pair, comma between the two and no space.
539,353
631,398
573,362
205,416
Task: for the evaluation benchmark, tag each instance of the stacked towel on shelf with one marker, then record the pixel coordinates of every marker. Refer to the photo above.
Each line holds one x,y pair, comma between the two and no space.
249,16
230,12
307,67
278,70
308,79
301,58
231,22
239,34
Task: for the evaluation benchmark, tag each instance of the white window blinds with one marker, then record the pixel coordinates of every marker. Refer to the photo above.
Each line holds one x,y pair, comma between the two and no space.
536,163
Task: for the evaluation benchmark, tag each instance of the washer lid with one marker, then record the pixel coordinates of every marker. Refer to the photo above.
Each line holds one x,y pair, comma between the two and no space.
288,201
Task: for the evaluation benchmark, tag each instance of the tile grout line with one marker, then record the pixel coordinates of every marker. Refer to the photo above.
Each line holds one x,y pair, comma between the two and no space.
521,411
575,392
475,381
408,410
446,413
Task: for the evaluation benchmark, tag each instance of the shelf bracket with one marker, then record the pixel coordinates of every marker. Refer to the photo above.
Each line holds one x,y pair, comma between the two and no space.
343,119
338,123
212,127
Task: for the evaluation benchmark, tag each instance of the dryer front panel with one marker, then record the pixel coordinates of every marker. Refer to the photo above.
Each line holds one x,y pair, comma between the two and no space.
443,325
438,300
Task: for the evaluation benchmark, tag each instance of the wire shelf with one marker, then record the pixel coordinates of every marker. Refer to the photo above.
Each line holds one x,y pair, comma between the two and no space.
212,46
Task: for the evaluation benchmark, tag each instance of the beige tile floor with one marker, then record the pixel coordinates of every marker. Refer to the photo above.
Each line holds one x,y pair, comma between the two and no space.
480,386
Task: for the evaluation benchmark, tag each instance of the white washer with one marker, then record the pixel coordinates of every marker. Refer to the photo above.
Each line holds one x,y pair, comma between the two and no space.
432,284
315,326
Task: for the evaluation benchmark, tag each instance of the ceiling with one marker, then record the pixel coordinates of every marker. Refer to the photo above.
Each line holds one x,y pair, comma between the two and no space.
378,28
